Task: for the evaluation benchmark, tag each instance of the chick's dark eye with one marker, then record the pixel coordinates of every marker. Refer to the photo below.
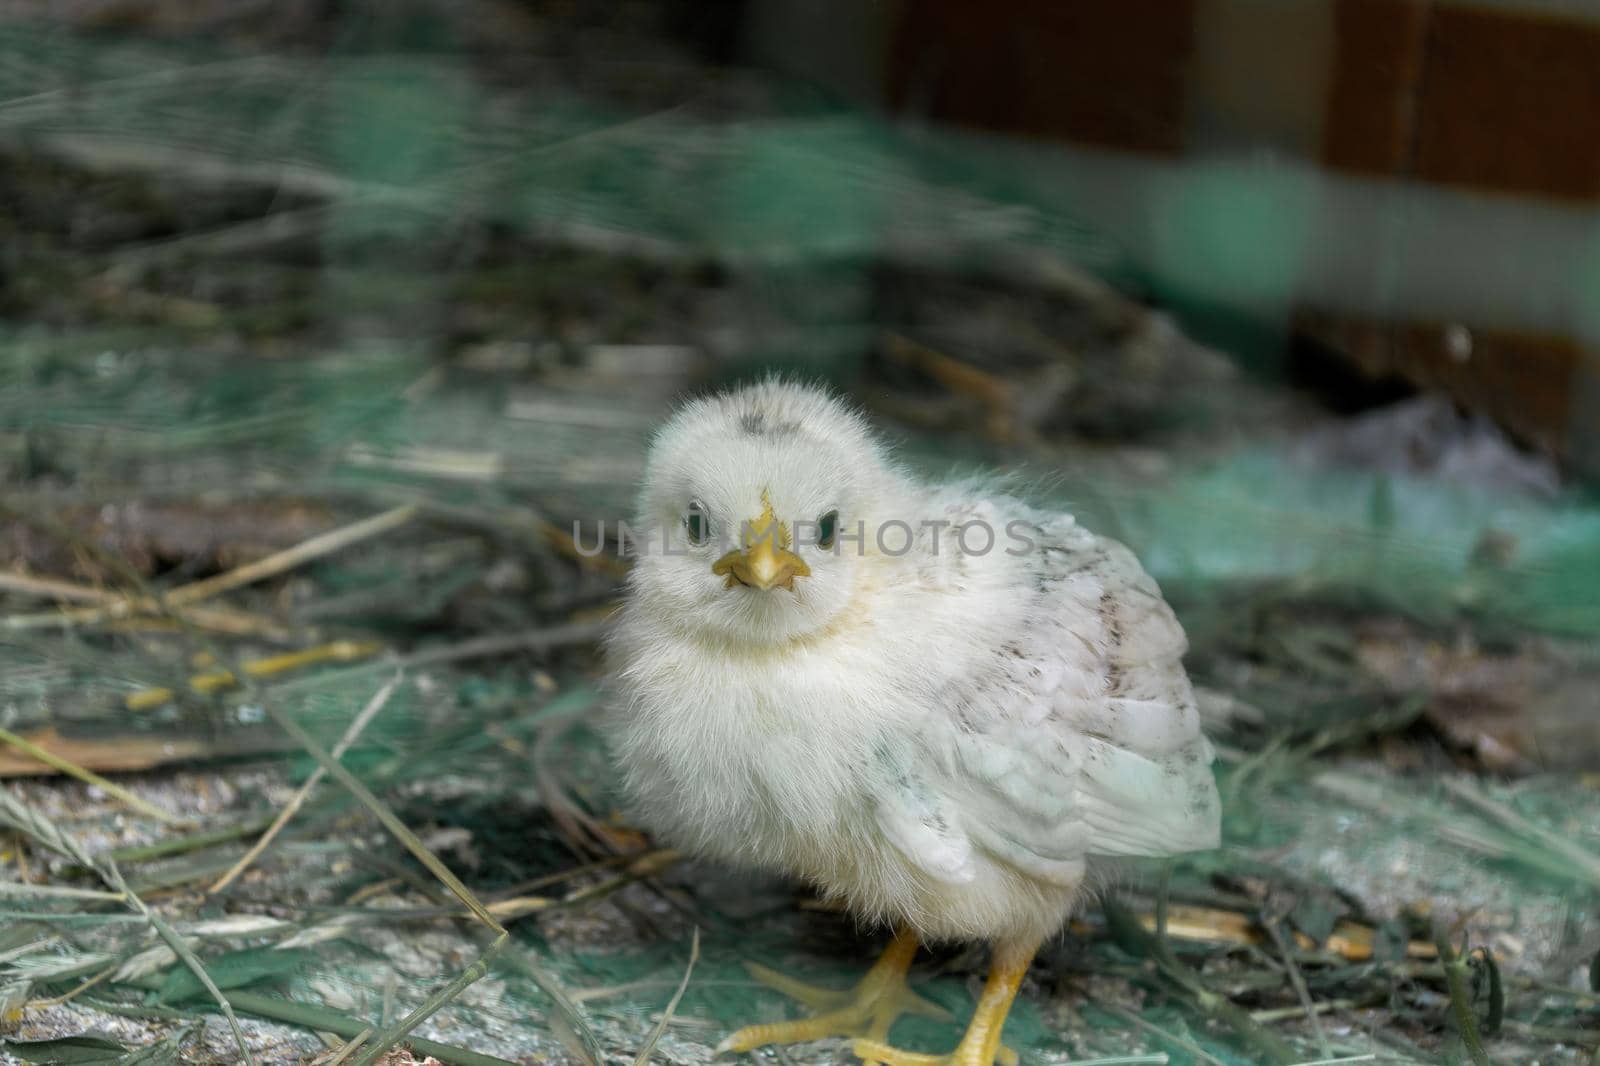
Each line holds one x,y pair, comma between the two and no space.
827,528
697,522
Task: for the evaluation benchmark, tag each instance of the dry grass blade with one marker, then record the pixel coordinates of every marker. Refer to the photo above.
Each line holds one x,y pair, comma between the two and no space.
218,619
290,558
1324,1006
184,844
649,1048
540,639
51,588
58,892
350,1047
26,820
648,865
1298,981
357,725
68,997
88,777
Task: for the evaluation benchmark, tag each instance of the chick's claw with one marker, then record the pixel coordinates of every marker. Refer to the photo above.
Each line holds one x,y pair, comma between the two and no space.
882,994
866,1011
981,1045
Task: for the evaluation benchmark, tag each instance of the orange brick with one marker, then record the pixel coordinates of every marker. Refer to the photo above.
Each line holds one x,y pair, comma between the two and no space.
1510,103
1105,74
1377,73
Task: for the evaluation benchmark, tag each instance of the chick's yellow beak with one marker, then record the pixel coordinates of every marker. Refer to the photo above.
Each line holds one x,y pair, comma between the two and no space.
765,562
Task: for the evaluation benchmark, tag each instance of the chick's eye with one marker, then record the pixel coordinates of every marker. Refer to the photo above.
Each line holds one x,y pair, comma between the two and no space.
697,522
827,527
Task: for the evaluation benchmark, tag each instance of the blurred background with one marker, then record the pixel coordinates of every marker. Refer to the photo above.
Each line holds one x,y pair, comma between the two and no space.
323,321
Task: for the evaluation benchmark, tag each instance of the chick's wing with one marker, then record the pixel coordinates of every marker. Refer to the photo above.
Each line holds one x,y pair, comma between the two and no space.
1083,740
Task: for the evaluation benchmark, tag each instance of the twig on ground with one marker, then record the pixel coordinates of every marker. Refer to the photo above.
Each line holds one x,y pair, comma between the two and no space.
643,1058
540,639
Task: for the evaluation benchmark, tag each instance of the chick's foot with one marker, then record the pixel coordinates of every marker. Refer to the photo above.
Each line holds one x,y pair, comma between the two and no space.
981,1045
865,1011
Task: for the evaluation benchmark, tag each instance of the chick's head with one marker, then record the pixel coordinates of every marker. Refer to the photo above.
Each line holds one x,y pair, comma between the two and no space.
751,513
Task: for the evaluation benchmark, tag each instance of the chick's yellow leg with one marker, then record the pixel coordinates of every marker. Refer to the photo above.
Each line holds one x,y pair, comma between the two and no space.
867,1010
981,1045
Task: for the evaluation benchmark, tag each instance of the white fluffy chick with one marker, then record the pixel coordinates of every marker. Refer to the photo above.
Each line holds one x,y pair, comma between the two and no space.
935,702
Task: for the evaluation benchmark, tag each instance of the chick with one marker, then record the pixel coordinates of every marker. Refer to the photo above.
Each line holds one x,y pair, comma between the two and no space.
939,704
